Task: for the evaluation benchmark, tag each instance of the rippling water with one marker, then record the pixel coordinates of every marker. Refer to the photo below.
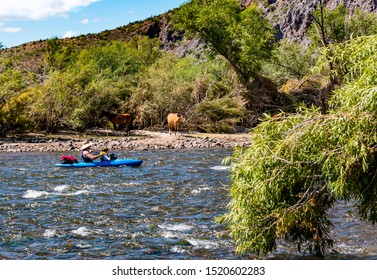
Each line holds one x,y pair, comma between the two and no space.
164,209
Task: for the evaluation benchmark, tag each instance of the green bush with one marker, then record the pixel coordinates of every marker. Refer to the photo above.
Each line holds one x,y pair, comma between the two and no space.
14,114
218,115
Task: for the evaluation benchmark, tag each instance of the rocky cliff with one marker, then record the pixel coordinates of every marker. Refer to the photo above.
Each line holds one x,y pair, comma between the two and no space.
292,18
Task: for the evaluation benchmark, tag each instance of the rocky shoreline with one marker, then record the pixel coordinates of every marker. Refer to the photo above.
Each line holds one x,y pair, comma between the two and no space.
139,140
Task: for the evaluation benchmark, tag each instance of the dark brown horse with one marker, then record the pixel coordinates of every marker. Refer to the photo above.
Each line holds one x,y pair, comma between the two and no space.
118,120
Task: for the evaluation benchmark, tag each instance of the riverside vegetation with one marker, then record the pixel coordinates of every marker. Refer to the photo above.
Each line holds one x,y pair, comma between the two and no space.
312,107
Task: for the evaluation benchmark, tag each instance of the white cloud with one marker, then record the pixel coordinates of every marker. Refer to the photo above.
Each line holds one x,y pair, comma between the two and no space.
9,29
38,9
69,34
85,21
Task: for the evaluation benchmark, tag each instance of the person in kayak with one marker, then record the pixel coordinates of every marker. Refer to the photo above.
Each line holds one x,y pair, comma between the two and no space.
105,154
86,153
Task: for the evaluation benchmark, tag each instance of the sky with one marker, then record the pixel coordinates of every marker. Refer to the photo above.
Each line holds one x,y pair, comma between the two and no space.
24,21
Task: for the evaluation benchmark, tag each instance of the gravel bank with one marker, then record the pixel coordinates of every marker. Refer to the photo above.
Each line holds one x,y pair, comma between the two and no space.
139,140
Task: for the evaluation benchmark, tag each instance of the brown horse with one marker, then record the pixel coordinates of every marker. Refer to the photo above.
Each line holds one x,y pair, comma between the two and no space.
118,120
174,121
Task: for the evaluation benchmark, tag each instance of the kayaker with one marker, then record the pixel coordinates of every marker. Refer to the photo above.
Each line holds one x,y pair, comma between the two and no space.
105,154
86,153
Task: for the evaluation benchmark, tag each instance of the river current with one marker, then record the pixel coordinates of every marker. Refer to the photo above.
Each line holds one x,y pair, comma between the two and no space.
164,209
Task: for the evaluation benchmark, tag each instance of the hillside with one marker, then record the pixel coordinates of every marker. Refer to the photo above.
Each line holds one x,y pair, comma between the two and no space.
30,56
290,18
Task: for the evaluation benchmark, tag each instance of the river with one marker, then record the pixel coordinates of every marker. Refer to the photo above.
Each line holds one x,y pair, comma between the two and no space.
164,209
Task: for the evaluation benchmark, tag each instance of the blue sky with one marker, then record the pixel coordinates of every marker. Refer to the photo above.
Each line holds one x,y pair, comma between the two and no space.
24,21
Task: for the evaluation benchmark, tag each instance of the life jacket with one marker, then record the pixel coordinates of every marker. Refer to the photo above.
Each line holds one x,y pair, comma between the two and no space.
104,158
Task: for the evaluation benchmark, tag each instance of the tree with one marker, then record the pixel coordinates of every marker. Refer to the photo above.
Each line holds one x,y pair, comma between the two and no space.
299,165
291,60
102,78
14,114
332,26
166,86
362,24
242,36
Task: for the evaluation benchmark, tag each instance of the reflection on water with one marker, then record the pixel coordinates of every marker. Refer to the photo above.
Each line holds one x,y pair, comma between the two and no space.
164,209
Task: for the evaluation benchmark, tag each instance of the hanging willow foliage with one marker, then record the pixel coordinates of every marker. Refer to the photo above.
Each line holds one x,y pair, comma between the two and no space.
298,165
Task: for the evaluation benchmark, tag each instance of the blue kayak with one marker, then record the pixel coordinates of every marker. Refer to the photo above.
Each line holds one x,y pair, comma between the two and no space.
115,162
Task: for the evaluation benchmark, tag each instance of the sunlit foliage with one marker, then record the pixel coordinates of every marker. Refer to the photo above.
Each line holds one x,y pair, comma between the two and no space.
300,164
242,36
